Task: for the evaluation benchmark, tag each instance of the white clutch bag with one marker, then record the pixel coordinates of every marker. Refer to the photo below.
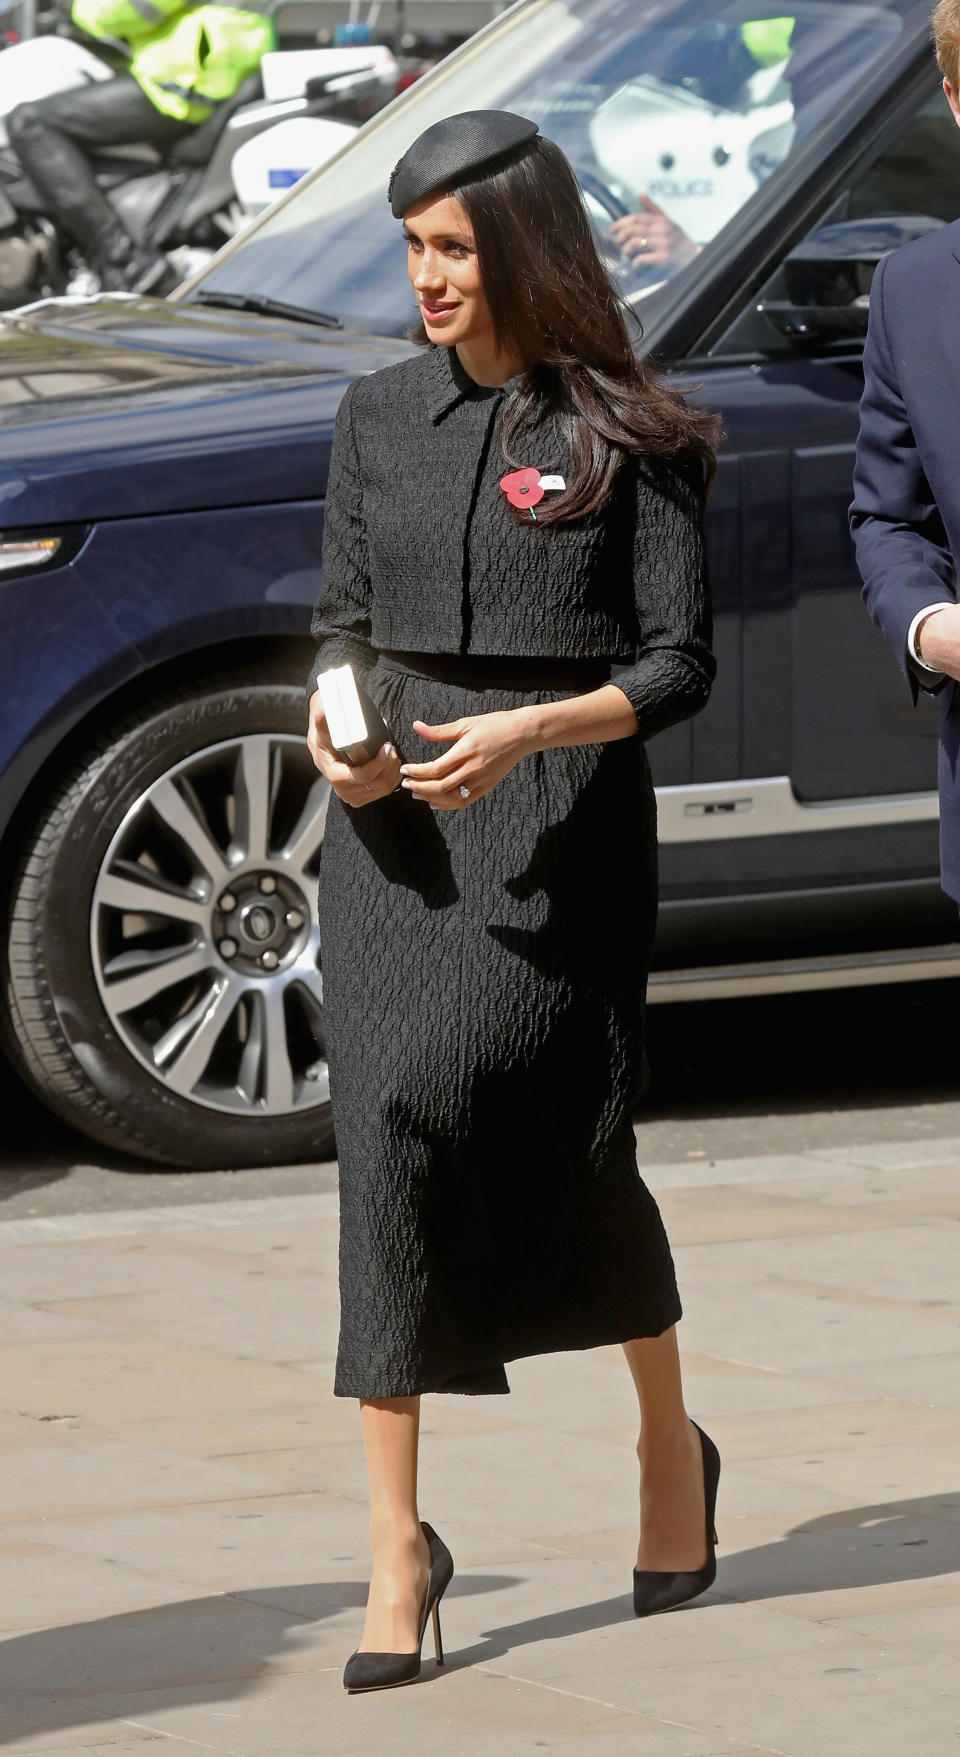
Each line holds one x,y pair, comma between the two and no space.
356,726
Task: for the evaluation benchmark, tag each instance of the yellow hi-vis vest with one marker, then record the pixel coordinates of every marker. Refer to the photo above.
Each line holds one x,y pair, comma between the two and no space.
768,39
191,58
133,21
201,58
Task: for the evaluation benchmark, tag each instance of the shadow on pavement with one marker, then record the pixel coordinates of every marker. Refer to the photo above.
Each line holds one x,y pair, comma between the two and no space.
840,1551
36,1147
214,1649
39,1152
867,1048
834,1052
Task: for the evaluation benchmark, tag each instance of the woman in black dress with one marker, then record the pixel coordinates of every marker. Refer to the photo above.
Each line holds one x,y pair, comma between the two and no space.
510,510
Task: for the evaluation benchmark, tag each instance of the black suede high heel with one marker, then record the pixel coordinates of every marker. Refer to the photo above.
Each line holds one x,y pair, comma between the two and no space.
380,1671
656,1589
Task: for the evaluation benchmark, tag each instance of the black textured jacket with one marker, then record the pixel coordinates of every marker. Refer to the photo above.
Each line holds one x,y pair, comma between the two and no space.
421,552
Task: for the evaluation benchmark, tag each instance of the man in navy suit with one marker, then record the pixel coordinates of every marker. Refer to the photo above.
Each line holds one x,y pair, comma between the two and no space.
905,515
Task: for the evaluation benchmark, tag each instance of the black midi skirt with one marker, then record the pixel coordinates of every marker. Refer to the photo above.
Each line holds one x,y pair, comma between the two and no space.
484,973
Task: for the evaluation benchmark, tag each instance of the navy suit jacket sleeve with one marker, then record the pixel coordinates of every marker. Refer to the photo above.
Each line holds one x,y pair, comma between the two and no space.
901,545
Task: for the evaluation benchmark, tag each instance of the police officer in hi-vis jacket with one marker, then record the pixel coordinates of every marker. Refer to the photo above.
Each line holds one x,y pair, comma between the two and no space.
184,61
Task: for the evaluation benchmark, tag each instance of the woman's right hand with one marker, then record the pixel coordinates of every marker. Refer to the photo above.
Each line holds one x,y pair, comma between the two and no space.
356,784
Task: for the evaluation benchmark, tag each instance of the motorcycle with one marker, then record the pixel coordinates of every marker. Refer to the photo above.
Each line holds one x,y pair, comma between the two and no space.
182,202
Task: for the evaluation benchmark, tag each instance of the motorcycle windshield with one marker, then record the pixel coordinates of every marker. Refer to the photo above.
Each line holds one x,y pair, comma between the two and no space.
680,110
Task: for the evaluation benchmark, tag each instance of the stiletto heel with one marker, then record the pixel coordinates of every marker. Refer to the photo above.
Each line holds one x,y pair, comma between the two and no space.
657,1589
380,1671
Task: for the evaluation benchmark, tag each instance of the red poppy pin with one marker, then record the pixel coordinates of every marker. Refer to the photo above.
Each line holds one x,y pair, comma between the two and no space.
523,488
527,487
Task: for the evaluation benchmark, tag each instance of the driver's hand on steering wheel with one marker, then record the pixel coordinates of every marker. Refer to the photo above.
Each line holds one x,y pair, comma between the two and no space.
651,238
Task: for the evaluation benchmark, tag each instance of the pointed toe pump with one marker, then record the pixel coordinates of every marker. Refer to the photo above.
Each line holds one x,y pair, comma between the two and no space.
662,1590
381,1671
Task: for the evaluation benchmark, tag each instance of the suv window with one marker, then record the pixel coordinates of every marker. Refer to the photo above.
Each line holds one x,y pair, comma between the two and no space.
820,295
687,106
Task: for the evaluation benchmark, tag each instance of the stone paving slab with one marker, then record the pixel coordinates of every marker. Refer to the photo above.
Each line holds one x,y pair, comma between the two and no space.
492,1713
932,1379
35,1575
183,1542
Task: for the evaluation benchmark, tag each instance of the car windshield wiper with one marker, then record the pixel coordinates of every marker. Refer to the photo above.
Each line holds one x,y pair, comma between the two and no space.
266,307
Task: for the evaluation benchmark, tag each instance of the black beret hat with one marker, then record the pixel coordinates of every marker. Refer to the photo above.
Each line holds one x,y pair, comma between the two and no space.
450,151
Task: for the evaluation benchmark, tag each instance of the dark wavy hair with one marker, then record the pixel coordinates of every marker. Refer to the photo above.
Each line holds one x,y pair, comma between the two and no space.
554,306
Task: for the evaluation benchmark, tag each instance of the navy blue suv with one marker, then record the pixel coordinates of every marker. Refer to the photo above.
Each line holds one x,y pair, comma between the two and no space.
161,509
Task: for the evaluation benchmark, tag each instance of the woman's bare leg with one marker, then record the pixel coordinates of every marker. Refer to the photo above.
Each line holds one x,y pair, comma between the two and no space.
401,1554
672,1519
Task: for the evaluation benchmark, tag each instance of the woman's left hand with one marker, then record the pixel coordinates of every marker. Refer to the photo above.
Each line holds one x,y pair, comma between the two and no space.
486,747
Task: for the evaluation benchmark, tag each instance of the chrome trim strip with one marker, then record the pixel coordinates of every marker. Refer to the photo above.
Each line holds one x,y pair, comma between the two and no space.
723,810
792,975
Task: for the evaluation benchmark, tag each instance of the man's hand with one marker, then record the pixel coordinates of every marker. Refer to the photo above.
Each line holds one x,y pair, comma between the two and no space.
356,784
937,640
651,236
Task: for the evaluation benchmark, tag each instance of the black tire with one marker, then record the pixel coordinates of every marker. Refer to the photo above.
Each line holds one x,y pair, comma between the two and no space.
58,1032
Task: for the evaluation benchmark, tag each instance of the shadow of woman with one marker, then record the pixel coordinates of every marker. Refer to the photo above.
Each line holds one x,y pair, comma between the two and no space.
94,1672
192,1652
215,1649
843,1551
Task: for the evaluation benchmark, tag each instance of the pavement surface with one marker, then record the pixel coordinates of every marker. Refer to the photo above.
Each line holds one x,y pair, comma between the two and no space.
183,1542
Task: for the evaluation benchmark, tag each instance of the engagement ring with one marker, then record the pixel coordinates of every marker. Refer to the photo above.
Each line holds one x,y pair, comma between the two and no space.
464,792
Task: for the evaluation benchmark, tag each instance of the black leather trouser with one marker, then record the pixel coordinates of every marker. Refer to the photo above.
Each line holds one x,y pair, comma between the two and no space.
52,137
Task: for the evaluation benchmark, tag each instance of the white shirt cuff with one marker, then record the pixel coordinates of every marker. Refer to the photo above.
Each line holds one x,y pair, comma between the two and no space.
926,671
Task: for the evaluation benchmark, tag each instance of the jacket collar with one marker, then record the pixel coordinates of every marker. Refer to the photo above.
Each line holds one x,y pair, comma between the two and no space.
449,384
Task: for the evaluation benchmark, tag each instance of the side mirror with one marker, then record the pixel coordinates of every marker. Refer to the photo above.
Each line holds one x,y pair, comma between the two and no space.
827,278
